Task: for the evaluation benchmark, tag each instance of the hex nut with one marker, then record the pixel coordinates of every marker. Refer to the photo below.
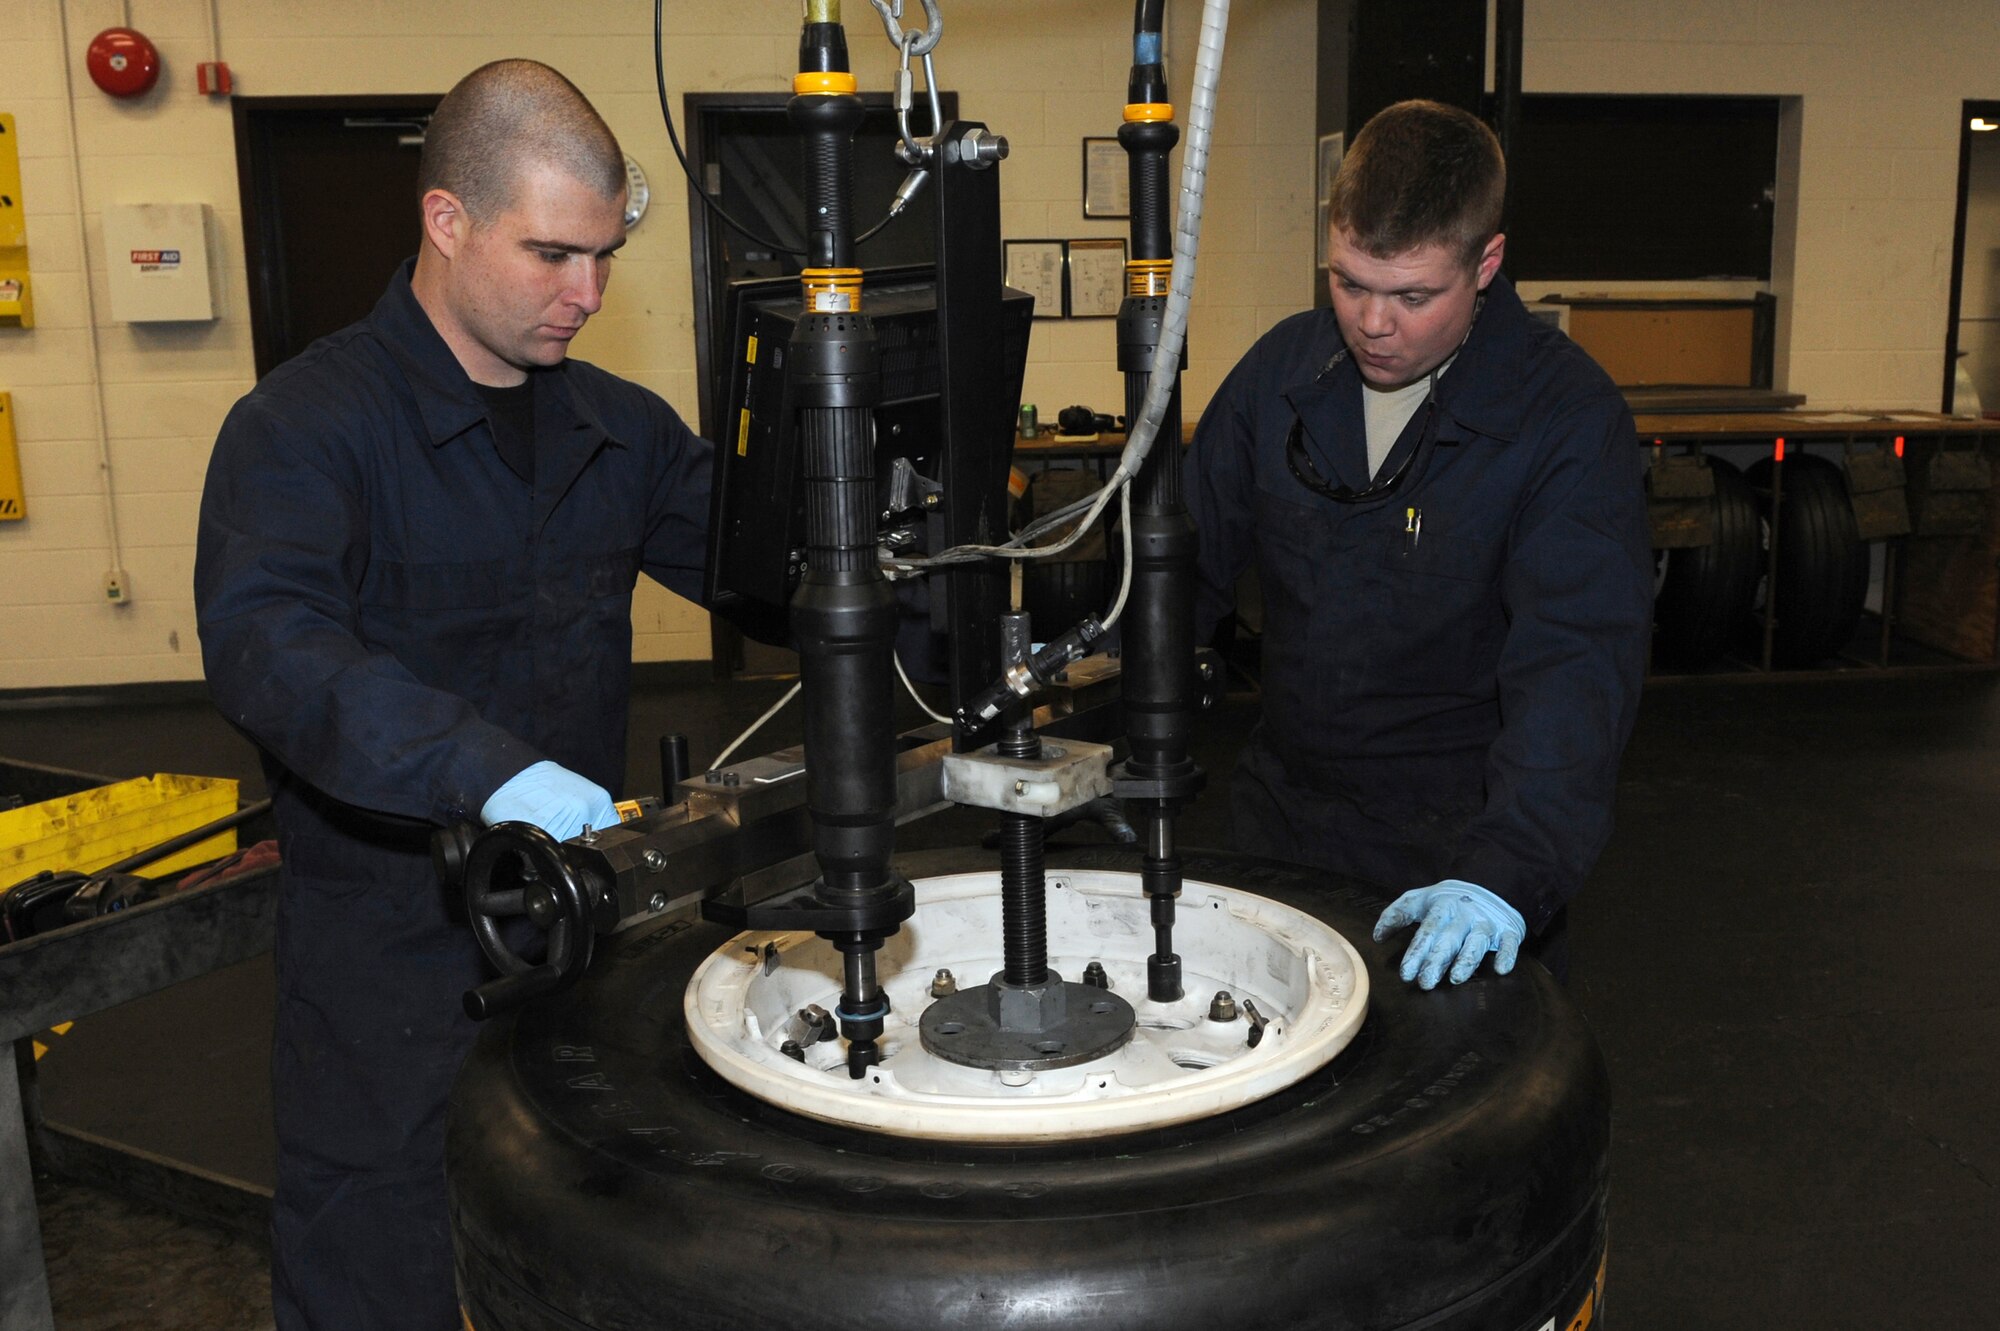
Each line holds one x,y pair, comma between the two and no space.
1034,1007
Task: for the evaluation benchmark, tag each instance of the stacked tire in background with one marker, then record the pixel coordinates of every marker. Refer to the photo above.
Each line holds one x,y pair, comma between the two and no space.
1711,597
1706,591
1822,574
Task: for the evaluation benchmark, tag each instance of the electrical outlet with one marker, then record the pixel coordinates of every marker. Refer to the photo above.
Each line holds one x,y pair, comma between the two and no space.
117,588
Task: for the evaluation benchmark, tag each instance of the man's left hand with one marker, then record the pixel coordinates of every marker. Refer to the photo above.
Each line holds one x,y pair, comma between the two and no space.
1458,923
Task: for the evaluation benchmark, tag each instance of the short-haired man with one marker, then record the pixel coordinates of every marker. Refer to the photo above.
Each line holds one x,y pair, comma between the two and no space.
1443,499
414,575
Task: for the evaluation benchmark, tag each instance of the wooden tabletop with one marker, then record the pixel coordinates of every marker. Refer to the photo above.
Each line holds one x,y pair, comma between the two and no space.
1717,427
1674,428
1110,441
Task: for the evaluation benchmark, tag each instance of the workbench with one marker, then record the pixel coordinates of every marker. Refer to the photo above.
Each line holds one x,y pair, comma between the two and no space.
65,974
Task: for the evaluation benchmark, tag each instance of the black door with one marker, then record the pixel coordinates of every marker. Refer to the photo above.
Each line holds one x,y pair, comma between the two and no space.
329,188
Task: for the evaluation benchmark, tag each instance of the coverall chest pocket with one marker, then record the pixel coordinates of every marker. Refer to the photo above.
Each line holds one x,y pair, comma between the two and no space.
599,635
1294,544
611,575
446,623
1445,621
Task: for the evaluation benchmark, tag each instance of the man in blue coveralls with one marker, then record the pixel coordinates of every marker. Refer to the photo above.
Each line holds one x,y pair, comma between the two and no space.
1444,501
414,576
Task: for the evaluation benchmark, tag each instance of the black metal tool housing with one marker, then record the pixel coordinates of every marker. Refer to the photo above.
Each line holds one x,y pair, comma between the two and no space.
1162,685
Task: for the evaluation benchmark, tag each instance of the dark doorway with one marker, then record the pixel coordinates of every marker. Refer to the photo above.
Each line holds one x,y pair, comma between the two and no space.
1972,333
329,188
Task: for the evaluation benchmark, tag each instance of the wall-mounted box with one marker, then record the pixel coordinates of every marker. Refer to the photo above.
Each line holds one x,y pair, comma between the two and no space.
17,303
156,255
13,499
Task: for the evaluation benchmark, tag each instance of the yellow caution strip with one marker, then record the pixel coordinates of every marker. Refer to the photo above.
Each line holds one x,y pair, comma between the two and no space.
13,498
59,1029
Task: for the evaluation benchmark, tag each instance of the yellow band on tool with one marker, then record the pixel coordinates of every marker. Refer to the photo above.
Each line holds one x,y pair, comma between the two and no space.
1147,111
824,82
1148,277
832,290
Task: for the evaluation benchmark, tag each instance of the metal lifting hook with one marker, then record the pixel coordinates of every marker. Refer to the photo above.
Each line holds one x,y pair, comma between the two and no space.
915,150
912,42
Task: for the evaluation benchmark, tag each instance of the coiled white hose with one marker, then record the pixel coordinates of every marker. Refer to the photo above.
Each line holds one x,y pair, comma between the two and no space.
1187,244
1173,327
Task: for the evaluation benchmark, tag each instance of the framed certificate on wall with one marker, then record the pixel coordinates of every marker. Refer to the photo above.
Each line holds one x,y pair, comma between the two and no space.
1096,277
1107,179
1037,267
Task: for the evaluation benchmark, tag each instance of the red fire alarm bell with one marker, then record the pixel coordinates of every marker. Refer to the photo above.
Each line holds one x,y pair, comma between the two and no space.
123,62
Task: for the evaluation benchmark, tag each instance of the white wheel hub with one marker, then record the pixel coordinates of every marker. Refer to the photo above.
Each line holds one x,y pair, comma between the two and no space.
1301,976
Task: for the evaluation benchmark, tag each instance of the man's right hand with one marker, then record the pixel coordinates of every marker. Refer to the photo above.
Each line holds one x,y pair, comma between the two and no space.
554,799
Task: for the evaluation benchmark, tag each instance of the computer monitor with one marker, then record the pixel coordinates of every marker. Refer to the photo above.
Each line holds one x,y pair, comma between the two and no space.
757,526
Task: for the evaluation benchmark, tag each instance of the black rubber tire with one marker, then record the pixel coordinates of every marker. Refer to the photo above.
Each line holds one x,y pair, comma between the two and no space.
1708,590
1447,1171
1822,576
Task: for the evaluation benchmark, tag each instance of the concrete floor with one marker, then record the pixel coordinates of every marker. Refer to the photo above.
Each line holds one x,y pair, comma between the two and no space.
1785,953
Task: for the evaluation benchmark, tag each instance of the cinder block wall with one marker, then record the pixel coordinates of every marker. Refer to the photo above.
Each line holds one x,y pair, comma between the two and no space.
1865,278
1044,72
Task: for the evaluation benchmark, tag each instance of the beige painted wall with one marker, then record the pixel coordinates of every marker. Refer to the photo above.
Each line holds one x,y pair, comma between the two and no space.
1880,88
1045,73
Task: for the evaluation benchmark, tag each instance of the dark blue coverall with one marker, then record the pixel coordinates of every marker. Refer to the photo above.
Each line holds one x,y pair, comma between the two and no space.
1449,674
402,624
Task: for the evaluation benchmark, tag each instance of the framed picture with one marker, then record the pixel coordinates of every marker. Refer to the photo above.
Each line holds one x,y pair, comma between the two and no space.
1096,277
1038,268
1107,179
1332,147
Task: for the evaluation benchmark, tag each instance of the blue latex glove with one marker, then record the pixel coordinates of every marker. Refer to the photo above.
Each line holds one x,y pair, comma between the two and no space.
1458,923
554,799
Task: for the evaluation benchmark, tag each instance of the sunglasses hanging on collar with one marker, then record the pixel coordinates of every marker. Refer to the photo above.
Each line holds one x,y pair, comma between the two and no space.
1301,464
1308,475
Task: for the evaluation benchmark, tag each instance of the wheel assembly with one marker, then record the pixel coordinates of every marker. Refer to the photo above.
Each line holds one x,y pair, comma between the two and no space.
1271,995
1821,582
672,1141
1707,591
